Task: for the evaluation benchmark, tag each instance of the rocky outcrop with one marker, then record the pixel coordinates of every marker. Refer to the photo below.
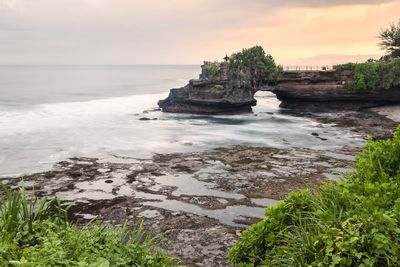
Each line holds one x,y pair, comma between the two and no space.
220,90
326,90
217,91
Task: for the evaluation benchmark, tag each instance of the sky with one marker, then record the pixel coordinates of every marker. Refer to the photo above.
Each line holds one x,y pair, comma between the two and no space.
319,32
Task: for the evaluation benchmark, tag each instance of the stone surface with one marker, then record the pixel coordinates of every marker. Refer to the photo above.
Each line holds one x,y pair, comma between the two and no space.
326,90
212,94
197,204
199,187
228,92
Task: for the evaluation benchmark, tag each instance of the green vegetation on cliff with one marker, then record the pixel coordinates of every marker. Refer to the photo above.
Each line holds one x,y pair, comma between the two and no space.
382,74
251,64
214,67
372,75
37,233
355,222
261,66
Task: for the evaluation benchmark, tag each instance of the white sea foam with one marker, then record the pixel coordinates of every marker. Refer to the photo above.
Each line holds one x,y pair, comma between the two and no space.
65,115
36,134
36,138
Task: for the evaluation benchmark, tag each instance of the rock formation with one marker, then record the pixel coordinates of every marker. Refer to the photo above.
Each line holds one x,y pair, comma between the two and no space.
221,90
326,90
217,91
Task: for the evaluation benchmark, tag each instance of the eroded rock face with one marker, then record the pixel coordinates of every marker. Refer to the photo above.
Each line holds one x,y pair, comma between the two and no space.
326,90
222,92
233,92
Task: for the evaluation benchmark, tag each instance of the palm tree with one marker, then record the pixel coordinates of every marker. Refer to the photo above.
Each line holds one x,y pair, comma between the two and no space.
390,40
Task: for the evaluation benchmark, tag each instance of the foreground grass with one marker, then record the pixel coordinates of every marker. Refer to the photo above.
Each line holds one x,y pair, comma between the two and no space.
355,222
37,233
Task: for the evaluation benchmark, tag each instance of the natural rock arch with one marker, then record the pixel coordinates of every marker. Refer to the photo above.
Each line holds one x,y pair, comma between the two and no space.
225,92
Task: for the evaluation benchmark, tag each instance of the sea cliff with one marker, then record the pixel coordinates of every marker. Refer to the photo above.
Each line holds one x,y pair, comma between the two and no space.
215,92
328,90
221,89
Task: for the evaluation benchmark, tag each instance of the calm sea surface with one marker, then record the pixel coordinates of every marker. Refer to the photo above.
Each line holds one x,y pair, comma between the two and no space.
51,113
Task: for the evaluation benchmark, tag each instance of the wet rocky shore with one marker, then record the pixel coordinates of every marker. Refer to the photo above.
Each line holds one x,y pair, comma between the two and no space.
198,203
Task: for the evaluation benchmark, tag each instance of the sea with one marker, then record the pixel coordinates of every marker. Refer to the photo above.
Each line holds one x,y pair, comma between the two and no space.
51,113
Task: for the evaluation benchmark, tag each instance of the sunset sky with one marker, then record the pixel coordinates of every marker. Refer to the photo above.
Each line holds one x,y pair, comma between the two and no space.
190,31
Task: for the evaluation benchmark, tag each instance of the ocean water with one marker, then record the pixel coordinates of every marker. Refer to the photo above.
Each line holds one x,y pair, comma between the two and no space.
52,113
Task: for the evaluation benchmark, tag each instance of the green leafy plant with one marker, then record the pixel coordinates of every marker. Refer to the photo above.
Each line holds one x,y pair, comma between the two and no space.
214,68
390,73
37,233
372,75
251,65
355,222
18,213
261,66
366,77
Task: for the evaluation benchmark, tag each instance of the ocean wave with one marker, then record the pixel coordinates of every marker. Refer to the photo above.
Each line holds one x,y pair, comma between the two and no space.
59,115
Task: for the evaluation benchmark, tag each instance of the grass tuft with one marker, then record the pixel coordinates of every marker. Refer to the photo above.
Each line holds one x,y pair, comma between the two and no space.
36,232
355,222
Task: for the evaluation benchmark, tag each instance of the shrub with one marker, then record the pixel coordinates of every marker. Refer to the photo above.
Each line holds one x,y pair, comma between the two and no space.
262,66
251,65
355,222
214,68
37,233
372,75
390,73
366,77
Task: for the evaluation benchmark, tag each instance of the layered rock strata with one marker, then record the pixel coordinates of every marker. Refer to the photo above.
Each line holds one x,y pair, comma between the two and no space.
220,91
327,90
217,92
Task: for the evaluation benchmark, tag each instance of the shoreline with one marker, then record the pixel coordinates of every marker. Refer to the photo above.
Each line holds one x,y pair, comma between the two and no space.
390,111
195,201
199,202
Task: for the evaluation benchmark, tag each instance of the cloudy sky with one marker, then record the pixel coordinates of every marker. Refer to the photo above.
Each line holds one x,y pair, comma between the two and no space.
189,31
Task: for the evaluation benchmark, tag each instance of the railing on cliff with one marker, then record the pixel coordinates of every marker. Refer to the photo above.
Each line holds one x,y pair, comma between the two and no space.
307,67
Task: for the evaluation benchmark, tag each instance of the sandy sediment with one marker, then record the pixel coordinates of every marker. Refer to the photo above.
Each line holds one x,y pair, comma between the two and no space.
392,112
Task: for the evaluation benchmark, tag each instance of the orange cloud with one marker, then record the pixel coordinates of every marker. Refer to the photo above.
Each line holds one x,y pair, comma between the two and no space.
300,32
186,31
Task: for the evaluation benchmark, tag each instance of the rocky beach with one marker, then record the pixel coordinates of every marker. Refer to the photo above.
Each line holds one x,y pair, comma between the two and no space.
197,199
198,203
199,133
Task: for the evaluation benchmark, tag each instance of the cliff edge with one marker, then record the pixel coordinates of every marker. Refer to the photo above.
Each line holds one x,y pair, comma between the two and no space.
217,91
328,90
229,86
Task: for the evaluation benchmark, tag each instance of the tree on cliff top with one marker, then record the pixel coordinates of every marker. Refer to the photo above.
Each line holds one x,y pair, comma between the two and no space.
262,66
390,39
